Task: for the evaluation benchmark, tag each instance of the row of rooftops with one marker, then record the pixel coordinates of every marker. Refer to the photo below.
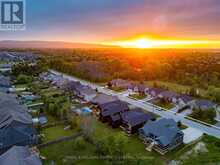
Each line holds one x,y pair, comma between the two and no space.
18,56
164,129
157,92
16,132
20,155
11,110
112,106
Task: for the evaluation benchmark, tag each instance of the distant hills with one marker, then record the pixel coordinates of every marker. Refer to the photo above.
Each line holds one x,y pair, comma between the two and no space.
48,44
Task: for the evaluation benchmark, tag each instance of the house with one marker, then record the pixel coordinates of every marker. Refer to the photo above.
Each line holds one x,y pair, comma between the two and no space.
75,87
142,89
161,135
109,111
133,120
87,93
132,87
16,127
29,97
19,155
154,92
204,104
59,82
217,118
101,99
185,101
120,83
169,96
5,67
5,83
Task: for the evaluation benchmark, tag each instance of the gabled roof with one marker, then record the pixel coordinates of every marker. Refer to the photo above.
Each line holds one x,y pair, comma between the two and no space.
73,85
156,90
19,155
88,91
204,103
141,87
185,98
11,110
113,108
5,66
164,129
134,118
101,99
5,81
169,94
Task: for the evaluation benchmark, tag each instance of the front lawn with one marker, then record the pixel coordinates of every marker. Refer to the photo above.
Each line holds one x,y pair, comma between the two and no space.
207,116
137,96
163,104
117,89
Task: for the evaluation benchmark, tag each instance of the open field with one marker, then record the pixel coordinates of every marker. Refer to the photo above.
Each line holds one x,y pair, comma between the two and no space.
174,87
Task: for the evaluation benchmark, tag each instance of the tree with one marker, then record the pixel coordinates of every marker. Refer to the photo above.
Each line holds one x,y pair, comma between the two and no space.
24,79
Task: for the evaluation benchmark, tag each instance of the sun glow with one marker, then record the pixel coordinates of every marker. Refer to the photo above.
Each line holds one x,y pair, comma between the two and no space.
143,43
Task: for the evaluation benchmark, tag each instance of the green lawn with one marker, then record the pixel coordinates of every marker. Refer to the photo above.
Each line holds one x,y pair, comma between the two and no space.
117,89
175,87
56,132
137,96
21,86
68,153
210,157
61,153
134,145
165,105
50,92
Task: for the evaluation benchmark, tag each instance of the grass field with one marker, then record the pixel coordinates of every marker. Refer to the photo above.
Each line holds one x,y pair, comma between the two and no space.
175,87
56,132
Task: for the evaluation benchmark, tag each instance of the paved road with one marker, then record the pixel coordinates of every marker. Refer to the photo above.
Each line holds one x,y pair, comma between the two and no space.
213,131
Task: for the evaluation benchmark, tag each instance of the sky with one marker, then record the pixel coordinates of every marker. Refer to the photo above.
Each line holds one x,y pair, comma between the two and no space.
95,21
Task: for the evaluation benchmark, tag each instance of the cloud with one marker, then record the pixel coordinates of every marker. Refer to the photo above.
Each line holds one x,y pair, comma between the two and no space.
96,20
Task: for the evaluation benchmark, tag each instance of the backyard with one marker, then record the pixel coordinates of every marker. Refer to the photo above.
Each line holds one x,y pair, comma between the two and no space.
83,151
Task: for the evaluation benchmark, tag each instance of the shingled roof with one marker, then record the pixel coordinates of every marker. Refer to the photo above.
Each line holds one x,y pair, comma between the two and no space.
186,98
114,107
134,118
11,110
169,94
163,129
5,81
101,99
19,155
16,125
204,104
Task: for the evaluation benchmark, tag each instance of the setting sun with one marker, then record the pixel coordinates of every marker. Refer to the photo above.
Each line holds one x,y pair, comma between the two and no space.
142,43
145,42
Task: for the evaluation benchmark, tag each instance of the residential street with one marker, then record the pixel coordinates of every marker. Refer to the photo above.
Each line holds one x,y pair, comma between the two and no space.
214,131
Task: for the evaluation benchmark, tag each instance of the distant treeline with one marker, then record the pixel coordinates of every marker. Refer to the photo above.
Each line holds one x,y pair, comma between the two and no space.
184,67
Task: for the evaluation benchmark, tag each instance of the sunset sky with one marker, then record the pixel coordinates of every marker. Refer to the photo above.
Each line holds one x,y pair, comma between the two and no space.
120,21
